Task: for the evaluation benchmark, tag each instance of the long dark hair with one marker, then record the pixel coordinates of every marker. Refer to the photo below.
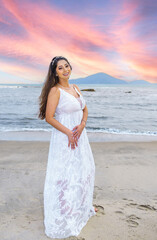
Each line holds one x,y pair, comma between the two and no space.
50,81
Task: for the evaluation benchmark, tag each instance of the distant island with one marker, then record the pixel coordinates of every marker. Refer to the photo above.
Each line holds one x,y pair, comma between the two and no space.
103,78
98,78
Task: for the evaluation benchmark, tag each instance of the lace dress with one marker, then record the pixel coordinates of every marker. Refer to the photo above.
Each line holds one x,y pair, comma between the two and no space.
70,174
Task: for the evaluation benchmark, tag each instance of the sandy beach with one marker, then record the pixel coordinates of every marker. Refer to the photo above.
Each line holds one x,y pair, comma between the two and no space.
125,191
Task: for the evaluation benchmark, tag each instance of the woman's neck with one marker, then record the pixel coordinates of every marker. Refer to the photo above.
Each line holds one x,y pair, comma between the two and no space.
66,86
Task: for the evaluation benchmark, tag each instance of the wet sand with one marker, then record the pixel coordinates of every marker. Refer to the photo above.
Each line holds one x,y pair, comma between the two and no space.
125,191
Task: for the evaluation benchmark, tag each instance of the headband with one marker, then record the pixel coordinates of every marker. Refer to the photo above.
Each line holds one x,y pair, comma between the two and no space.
52,62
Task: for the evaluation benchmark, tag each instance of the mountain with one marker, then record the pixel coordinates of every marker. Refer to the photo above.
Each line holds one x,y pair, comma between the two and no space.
139,82
98,78
103,78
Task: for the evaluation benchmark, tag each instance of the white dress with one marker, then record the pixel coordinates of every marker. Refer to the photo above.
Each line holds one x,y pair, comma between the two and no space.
70,175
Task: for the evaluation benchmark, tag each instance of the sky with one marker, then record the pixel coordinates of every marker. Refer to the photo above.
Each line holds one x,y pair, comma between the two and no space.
117,37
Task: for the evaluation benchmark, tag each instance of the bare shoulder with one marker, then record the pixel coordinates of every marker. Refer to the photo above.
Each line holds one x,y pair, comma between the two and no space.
54,91
77,87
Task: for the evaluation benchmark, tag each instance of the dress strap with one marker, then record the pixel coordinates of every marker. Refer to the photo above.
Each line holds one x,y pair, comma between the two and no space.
76,90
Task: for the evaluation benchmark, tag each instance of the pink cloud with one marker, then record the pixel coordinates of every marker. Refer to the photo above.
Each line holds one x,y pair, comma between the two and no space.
49,31
21,71
54,33
134,49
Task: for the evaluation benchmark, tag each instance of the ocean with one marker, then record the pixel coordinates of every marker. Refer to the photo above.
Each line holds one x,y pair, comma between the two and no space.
119,109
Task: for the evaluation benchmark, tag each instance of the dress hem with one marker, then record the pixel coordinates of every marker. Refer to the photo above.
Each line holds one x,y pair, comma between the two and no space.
91,214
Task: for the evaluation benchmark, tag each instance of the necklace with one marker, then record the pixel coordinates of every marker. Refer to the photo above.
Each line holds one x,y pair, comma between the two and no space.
65,87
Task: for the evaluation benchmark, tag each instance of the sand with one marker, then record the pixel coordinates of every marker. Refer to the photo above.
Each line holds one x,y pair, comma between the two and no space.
125,191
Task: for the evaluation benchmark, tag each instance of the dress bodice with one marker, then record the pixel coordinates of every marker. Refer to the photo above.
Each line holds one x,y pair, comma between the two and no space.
69,103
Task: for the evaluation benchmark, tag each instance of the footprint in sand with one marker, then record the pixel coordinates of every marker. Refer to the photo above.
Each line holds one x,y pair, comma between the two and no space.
100,210
132,220
130,200
146,207
119,212
132,223
132,204
97,188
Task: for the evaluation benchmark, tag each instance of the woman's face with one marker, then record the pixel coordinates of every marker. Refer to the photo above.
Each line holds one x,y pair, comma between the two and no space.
63,69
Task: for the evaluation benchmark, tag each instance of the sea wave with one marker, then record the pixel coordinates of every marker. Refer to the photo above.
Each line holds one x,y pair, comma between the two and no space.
25,130
119,131
10,86
20,86
90,130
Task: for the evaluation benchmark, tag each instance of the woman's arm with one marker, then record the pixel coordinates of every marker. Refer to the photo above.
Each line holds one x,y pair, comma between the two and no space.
52,102
85,116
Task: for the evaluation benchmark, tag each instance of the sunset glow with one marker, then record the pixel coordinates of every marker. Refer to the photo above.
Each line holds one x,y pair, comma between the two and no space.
115,37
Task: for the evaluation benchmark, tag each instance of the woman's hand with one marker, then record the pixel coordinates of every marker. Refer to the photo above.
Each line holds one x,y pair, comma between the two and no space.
72,140
78,130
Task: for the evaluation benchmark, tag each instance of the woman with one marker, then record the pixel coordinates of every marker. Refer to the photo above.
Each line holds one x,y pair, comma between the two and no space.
69,182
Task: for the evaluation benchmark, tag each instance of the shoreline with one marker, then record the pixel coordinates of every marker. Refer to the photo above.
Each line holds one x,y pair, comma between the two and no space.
44,136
